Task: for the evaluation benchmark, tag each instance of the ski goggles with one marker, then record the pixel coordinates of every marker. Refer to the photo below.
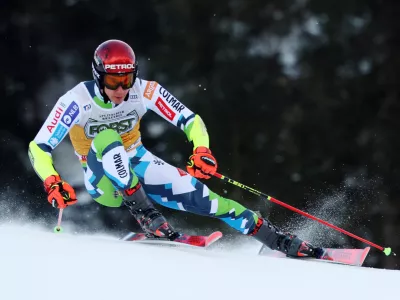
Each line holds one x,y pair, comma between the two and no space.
113,81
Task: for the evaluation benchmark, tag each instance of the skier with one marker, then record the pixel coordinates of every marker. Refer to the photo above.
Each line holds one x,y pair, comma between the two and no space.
102,118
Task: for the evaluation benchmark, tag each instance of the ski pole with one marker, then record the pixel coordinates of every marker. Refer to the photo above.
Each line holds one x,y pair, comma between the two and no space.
387,251
58,228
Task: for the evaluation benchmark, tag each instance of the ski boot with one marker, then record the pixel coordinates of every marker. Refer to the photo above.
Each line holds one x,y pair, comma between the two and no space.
291,245
295,247
149,218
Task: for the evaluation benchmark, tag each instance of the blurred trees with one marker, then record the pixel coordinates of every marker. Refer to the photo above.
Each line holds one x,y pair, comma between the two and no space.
300,97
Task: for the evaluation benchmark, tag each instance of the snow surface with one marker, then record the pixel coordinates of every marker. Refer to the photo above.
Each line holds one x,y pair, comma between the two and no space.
37,264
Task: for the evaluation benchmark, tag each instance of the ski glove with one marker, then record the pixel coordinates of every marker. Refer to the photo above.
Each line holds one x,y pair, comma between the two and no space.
59,193
202,163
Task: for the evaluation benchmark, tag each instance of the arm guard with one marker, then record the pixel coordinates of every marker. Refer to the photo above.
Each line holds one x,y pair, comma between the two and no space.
196,132
41,160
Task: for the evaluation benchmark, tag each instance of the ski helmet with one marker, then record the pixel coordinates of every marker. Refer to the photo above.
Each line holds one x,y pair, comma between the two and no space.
113,57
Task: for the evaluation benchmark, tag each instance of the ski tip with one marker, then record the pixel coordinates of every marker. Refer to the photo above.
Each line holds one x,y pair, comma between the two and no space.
388,251
213,237
216,234
364,255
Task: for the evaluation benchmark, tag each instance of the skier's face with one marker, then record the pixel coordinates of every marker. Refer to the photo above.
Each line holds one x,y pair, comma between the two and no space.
116,96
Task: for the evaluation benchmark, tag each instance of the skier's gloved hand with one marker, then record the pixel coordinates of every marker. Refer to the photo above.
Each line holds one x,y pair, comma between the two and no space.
202,163
59,193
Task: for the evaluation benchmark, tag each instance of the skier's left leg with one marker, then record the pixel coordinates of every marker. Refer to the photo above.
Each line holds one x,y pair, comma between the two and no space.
174,188
111,182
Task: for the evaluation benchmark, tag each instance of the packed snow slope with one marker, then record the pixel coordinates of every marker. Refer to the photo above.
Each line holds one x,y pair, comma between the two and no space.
36,264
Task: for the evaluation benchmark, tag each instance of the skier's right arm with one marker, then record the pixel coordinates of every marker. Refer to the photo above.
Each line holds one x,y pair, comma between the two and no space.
65,114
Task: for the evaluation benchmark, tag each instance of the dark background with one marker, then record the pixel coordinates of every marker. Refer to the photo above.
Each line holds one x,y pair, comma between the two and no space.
300,99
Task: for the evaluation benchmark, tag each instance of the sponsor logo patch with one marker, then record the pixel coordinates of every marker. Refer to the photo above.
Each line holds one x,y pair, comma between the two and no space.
119,66
70,114
55,119
87,107
111,121
57,136
119,126
171,100
119,166
150,88
123,125
166,111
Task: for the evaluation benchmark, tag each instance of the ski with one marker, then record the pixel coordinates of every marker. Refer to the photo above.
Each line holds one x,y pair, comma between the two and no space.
202,241
351,257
